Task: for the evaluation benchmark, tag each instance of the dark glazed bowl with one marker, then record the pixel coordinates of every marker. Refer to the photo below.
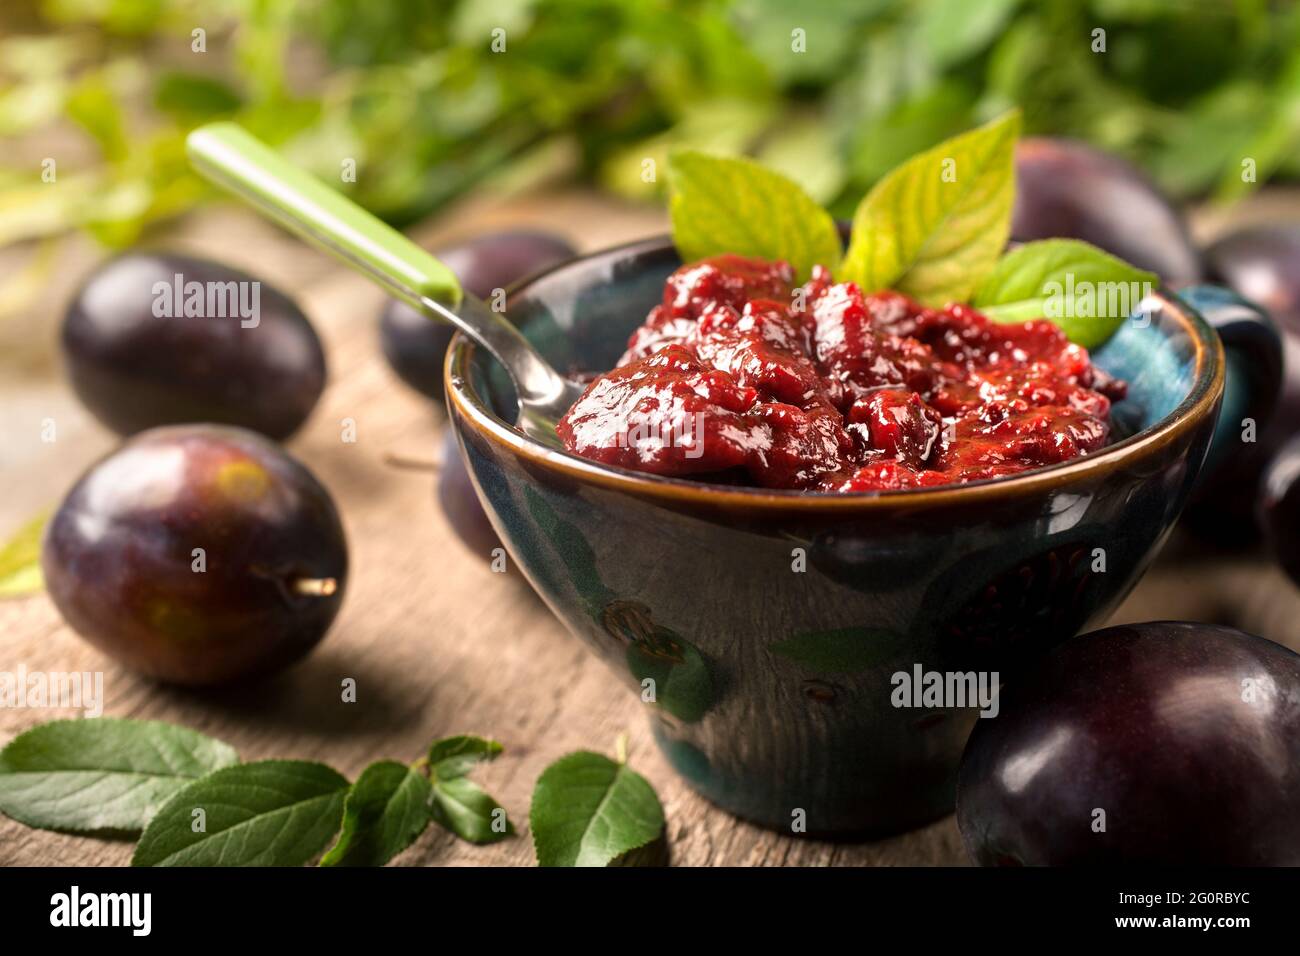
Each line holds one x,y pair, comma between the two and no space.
770,624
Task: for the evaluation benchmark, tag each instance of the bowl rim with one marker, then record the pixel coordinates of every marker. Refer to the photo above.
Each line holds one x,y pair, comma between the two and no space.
465,404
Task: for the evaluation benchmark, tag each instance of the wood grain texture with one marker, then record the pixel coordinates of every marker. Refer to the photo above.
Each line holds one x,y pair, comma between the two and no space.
437,643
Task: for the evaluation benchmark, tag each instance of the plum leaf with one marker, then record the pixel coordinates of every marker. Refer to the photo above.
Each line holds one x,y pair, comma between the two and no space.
20,560
102,774
385,811
588,810
456,756
456,802
270,813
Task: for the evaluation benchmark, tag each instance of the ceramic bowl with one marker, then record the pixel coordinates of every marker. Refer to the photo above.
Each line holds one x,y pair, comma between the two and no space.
777,637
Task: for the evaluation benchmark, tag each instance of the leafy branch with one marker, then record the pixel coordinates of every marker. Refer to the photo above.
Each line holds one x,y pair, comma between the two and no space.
192,803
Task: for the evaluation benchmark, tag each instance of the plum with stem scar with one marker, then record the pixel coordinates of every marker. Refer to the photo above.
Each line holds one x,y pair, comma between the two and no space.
198,554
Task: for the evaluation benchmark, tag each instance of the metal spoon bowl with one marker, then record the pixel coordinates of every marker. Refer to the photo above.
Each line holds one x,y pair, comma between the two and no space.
232,158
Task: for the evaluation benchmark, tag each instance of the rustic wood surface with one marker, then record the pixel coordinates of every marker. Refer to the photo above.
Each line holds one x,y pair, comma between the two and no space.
437,643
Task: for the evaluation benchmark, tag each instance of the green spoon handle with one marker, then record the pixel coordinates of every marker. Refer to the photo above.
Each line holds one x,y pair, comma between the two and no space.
231,157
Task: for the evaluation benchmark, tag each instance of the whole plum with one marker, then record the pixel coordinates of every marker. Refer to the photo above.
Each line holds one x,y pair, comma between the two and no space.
460,504
1279,507
415,345
154,339
1262,263
1227,515
1160,743
1070,190
197,555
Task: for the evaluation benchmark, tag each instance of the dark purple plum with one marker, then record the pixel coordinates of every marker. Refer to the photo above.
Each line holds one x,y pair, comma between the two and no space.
1223,502
1158,743
1225,514
459,502
416,345
1263,265
1279,507
197,554
1070,190
497,260
154,339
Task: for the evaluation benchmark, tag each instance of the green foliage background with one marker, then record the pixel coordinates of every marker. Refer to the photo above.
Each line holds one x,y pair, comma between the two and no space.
589,89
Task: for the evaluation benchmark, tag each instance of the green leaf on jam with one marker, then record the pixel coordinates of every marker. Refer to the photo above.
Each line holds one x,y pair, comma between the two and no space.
589,810
20,560
933,227
843,651
1087,292
724,204
385,810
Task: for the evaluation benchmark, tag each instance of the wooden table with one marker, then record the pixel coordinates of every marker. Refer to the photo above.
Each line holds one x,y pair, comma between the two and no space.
437,643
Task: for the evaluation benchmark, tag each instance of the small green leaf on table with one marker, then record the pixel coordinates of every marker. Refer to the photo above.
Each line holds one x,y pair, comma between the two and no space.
102,774
270,813
458,803
20,560
456,756
588,810
385,811
462,807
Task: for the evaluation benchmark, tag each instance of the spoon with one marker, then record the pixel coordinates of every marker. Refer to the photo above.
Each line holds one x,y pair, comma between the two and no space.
232,158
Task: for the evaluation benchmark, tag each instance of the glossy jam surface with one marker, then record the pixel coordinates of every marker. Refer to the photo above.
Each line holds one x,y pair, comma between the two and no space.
744,377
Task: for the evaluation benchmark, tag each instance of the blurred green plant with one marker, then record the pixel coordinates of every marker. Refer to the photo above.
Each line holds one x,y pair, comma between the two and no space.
833,94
